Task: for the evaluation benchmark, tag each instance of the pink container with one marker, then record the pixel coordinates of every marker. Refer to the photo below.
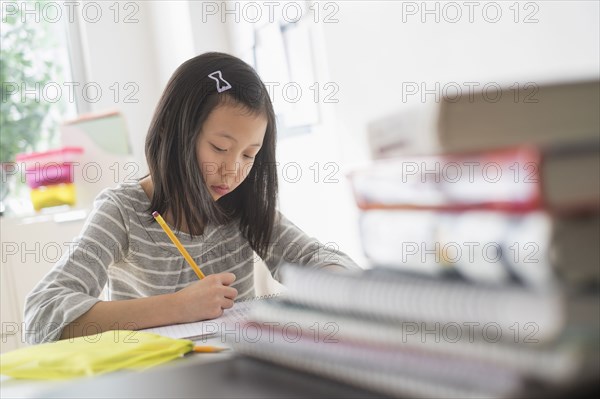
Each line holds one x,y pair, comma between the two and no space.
49,174
49,167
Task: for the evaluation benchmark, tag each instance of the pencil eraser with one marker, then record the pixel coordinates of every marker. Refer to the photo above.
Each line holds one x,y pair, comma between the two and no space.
155,214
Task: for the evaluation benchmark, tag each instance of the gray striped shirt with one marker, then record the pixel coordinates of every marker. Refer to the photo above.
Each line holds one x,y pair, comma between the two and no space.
121,248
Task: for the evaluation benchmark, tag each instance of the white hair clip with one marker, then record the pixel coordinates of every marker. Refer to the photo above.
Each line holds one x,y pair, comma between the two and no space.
217,77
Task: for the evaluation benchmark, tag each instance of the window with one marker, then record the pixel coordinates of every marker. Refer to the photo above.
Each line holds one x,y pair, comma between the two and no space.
34,93
35,71
283,58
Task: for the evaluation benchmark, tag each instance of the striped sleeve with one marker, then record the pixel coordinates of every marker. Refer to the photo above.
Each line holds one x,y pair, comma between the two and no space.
75,282
291,245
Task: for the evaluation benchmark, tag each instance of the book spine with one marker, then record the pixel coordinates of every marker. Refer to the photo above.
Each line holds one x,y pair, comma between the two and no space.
506,179
480,246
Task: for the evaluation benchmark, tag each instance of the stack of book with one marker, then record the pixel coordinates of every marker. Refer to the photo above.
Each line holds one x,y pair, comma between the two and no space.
519,175
485,278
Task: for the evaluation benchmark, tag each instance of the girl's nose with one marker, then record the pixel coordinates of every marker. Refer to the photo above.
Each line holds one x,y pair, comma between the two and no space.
231,168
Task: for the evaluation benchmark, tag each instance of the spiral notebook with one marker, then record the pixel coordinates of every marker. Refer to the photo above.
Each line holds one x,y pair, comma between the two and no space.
207,328
398,372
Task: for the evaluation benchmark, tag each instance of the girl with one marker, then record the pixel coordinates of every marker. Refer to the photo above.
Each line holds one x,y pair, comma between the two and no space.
211,155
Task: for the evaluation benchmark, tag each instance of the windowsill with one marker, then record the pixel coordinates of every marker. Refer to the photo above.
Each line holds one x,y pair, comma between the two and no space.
59,216
19,209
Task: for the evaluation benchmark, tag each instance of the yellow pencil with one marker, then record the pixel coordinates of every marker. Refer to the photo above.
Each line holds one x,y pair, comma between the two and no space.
180,247
208,349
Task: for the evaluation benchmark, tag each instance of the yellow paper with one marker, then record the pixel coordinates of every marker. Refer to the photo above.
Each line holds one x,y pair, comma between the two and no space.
92,355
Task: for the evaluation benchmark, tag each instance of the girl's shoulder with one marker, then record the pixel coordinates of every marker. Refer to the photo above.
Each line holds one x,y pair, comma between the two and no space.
128,195
125,203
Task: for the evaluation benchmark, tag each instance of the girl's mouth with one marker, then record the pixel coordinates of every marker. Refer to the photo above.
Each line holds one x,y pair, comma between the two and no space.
221,190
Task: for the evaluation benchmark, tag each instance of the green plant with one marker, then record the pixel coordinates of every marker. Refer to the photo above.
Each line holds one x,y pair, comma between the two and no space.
27,62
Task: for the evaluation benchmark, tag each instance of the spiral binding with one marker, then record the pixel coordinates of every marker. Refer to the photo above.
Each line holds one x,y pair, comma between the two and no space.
260,297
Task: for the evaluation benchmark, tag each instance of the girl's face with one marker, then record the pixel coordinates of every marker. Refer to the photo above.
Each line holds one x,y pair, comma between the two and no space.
227,145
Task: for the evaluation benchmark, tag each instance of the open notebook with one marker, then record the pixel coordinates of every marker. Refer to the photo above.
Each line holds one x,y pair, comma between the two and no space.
237,314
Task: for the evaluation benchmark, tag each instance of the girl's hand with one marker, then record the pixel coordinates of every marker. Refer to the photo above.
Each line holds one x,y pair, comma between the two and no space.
206,299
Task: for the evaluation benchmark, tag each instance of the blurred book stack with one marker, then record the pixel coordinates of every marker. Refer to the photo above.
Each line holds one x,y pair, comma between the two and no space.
522,215
485,261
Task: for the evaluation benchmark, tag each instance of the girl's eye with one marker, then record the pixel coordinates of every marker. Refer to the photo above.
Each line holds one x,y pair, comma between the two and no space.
248,157
218,149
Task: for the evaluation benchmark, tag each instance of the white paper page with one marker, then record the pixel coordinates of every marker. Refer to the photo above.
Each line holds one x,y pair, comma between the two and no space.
237,314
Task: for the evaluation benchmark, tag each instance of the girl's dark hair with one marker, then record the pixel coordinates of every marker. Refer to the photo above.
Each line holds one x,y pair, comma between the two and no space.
189,97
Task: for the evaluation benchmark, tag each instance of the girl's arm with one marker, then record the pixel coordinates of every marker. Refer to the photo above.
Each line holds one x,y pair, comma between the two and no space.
76,281
213,292
129,314
292,245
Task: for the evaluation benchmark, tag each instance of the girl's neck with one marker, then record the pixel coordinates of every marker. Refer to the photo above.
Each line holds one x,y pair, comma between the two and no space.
148,188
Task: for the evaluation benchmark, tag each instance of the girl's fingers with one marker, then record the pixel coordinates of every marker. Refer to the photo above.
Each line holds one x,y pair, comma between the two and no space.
227,303
230,292
227,278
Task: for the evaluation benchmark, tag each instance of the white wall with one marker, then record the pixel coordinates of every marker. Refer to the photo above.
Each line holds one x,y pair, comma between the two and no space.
172,34
371,64
145,53
209,34
124,53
